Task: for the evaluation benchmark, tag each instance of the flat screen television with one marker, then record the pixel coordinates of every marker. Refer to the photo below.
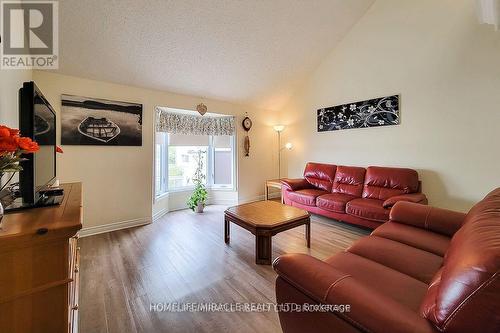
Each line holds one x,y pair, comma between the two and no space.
37,120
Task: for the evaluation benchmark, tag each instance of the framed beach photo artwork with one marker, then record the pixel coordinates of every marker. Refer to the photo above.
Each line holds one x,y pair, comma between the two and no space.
100,122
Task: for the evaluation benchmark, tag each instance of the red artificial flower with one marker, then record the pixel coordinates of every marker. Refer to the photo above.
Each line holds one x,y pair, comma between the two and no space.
7,131
4,132
59,150
28,145
8,144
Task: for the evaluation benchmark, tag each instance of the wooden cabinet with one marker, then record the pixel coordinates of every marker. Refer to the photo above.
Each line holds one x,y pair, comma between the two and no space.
74,284
39,267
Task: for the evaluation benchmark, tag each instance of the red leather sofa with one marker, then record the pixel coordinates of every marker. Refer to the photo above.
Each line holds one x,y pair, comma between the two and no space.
426,270
352,194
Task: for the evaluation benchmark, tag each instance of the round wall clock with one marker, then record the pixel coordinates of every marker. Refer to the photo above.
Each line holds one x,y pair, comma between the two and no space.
247,124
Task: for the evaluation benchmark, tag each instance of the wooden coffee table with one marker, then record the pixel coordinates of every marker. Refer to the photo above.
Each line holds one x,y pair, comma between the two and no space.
265,219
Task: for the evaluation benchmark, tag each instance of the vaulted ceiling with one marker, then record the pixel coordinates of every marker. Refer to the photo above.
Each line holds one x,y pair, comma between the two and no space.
252,52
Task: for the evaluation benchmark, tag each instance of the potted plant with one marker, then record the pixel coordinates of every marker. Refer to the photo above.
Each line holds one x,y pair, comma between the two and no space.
12,146
199,196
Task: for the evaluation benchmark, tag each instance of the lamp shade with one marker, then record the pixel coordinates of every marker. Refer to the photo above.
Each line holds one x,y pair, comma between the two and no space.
279,128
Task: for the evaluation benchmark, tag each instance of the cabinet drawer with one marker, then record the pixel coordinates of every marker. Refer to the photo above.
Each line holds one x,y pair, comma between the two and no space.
32,267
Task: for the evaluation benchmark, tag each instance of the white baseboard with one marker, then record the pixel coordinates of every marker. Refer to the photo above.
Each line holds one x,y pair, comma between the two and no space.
100,229
158,215
251,199
258,198
224,202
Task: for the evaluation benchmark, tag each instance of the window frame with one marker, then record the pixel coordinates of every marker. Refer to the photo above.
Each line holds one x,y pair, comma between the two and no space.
211,160
164,188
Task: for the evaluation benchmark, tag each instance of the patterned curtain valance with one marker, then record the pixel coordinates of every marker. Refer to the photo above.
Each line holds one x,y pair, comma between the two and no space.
177,123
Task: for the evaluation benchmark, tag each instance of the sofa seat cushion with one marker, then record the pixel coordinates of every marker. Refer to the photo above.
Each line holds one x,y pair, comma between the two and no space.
420,238
306,197
419,264
370,209
400,287
334,202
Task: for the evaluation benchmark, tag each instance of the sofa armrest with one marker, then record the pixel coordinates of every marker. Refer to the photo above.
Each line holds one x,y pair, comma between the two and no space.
410,197
295,184
369,310
439,220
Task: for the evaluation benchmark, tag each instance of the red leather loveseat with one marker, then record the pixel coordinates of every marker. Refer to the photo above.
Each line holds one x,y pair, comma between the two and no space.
427,270
352,194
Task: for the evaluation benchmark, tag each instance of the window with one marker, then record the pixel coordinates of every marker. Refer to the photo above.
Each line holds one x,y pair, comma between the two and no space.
182,163
176,161
160,168
222,148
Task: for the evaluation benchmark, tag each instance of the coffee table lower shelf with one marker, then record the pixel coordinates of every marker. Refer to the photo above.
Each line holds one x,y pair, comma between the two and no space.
263,235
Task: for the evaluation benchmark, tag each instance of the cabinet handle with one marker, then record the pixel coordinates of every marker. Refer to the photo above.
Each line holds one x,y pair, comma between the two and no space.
42,231
75,307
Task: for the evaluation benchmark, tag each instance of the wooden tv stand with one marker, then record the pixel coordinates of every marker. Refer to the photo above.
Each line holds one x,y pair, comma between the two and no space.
39,261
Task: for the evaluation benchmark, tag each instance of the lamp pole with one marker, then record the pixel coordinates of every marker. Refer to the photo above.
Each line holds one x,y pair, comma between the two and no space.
279,129
279,154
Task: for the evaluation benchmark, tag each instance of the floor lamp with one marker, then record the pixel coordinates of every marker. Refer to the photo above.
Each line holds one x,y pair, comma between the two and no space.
288,146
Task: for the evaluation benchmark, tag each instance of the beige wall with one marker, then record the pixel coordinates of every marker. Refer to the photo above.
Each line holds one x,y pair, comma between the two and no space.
447,69
118,180
10,82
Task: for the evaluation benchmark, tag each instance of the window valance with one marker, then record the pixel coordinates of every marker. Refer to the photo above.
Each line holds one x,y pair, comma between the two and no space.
177,123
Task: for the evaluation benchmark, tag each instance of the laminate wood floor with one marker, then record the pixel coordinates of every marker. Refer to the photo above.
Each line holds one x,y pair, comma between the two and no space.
183,258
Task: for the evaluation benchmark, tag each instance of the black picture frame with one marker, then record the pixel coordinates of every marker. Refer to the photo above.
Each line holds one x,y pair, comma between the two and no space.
376,112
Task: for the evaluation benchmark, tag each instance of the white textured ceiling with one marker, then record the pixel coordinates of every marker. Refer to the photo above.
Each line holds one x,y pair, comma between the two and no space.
252,52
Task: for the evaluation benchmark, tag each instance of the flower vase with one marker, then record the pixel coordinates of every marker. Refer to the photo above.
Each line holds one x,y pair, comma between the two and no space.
199,207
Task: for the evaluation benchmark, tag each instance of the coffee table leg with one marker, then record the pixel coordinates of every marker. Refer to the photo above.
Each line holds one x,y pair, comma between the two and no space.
226,230
308,233
263,249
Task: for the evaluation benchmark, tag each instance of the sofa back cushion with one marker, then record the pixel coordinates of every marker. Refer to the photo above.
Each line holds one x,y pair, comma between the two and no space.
320,175
464,296
382,183
349,180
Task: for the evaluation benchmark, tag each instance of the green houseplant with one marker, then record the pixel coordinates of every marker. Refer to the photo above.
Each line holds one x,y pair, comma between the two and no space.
199,196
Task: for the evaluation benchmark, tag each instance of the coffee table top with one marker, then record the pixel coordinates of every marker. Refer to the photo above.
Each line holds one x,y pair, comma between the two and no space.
266,213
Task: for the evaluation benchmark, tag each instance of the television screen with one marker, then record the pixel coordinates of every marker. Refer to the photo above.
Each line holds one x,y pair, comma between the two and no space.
45,135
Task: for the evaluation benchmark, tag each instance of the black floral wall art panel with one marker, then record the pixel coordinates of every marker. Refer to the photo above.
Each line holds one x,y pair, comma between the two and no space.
370,113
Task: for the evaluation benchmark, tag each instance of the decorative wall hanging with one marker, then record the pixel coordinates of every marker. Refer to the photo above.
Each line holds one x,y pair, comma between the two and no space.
92,121
247,125
370,113
201,108
177,123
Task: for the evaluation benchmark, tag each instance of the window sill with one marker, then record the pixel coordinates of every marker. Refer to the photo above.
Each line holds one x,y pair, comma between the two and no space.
189,189
161,196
